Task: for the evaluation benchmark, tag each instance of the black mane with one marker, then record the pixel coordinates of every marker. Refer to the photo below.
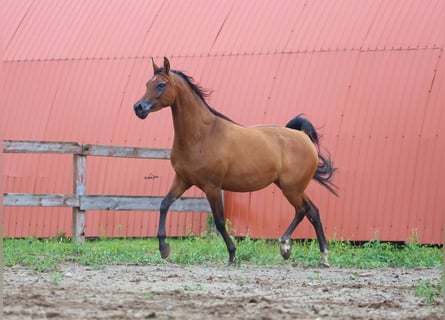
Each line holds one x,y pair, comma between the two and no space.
200,91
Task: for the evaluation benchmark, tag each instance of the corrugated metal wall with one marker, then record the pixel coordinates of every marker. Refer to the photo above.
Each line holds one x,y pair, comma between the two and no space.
370,74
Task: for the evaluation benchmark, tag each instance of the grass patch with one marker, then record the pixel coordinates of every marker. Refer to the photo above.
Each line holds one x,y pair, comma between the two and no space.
376,254
46,255
428,291
150,294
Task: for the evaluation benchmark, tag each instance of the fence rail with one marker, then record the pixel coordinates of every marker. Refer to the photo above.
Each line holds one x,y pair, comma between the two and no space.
80,201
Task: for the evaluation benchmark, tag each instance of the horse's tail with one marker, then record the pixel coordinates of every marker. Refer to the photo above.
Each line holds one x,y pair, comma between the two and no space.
325,169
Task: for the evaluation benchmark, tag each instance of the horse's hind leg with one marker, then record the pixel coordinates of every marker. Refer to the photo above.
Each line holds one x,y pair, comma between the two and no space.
305,207
314,217
285,242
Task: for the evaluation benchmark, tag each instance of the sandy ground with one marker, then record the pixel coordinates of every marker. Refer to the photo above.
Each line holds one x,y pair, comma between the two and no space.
170,291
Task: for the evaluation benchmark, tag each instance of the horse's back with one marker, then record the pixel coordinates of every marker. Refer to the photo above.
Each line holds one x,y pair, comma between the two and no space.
296,140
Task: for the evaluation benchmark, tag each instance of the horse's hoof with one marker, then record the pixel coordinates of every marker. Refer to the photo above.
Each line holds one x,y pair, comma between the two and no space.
232,259
324,263
285,248
165,251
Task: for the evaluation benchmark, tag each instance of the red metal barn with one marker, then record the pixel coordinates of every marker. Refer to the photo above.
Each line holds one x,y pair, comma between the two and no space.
370,74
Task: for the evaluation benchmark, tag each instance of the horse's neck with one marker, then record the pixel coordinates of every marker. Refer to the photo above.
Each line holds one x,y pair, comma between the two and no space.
192,120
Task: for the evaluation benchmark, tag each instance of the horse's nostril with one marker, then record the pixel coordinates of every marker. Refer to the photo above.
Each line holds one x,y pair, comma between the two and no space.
138,107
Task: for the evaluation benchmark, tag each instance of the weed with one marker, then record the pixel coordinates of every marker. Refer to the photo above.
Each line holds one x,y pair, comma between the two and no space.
56,278
61,236
428,291
196,287
229,227
150,294
355,276
315,276
210,227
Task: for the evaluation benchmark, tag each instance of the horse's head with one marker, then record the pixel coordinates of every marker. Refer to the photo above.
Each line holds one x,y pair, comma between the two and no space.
159,91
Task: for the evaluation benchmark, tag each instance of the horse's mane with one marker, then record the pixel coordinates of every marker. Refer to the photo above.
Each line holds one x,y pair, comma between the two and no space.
200,91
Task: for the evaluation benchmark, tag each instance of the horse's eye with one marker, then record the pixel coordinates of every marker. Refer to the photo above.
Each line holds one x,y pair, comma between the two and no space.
161,85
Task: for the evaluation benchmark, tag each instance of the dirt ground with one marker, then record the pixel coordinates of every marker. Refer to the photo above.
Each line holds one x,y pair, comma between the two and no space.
170,291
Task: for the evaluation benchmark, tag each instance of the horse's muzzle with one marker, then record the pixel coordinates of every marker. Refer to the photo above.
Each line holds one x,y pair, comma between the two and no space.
142,109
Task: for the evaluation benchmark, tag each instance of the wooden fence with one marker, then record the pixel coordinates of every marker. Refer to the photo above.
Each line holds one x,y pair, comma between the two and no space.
79,200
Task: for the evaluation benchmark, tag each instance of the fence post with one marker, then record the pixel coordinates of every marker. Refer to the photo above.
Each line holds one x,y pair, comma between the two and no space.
79,189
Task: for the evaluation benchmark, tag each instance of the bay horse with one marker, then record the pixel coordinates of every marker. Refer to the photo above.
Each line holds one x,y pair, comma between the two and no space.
214,153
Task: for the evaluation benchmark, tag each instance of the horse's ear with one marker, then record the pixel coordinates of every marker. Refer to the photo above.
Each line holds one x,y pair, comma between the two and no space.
166,65
155,67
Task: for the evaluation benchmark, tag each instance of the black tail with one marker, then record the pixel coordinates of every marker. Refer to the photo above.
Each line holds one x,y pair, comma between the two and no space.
325,169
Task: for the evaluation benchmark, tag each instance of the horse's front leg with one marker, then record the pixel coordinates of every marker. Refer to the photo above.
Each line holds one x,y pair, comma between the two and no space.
216,203
176,190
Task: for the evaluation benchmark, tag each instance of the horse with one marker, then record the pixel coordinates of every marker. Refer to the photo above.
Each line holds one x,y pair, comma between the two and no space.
214,153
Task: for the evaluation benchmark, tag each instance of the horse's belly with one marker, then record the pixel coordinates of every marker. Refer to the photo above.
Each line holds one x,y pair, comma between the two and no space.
245,187
249,179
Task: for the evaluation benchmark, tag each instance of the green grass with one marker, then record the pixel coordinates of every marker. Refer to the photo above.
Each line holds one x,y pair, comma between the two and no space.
48,254
428,290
